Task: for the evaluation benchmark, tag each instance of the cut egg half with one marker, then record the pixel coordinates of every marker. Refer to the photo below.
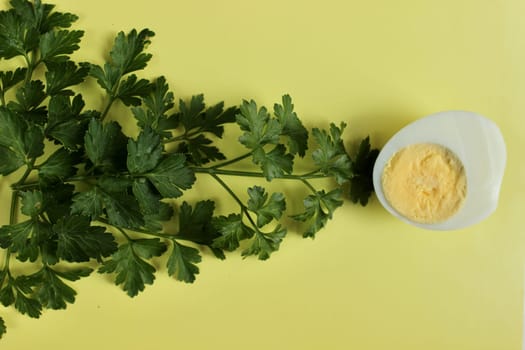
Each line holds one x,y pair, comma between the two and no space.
476,141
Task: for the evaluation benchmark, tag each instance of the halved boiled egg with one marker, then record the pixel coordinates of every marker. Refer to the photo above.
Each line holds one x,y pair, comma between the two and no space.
452,161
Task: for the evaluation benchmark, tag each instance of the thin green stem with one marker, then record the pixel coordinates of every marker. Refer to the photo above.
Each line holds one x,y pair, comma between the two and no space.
231,161
29,169
77,178
213,170
184,137
13,210
236,198
32,63
121,230
228,189
138,230
26,186
108,106
309,185
12,221
30,68
7,260
14,194
313,172
14,207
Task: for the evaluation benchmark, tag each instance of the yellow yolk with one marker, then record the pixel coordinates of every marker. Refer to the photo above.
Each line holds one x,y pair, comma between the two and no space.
425,182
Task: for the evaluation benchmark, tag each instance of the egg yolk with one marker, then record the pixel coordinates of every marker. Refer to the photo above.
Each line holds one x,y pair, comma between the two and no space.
425,182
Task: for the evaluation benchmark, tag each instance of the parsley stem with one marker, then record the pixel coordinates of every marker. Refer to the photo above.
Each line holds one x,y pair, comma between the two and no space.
228,189
12,221
108,106
13,209
121,230
184,137
316,171
138,230
29,72
309,185
213,170
14,194
7,260
236,198
231,161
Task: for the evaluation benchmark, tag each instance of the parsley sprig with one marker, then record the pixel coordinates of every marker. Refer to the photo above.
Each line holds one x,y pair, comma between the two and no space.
87,196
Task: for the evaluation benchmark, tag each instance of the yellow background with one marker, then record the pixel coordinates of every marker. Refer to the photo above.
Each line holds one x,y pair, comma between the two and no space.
368,281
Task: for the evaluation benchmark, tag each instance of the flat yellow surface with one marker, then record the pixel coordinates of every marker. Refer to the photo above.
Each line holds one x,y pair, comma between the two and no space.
368,281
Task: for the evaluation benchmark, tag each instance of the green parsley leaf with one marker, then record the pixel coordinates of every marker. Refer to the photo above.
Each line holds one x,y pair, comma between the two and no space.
171,176
182,262
199,151
7,296
31,203
11,161
127,50
144,154
150,204
42,15
29,97
361,184
155,106
196,225
66,125
12,130
160,101
22,288
28,238
106,77
331,155
26,140
319,208
232,230
196,118
264,244
3,328
189,113
59,166
105,144
52,292
57,20
197,121
89,203
291,126
34,140
61,75
275,163
132,90
11,78
78,241
259,128
57,198
130,264
16,35
23,303
122,209
55,46
266,209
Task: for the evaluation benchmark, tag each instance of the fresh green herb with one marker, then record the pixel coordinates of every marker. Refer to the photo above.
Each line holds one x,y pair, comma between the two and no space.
86,192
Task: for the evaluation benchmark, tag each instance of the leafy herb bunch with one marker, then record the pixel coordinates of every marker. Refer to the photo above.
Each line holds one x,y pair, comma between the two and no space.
85,195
